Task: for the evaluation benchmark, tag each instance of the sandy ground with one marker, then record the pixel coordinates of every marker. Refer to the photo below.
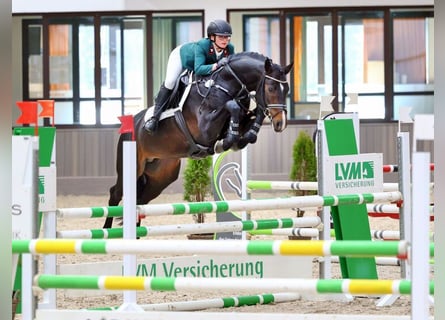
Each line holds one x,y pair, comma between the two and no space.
359,305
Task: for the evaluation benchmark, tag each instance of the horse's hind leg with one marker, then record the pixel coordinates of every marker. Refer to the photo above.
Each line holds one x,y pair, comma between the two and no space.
116,191
114,200
160,174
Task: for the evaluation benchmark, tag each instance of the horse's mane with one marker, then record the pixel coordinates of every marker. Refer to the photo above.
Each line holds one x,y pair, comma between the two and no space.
247,54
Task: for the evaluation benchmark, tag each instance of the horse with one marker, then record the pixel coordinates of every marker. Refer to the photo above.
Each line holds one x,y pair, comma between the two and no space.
214,114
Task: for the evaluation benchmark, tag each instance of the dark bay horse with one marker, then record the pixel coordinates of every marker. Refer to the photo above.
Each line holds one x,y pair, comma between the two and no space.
215,116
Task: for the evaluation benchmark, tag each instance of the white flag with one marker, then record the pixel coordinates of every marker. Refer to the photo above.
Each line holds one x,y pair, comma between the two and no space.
325,104
353,98
404,115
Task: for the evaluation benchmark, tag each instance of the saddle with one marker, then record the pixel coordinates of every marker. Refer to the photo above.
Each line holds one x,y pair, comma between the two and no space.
175,103
179,93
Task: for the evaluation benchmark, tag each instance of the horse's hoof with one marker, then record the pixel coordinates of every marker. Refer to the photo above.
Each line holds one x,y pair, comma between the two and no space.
240,145
227,144
218,146
250,137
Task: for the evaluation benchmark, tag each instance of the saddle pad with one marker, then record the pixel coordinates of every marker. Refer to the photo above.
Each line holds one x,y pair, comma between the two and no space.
170,112
164,115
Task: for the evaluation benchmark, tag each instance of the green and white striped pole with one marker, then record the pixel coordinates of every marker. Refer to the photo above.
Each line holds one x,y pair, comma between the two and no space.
234,205
302,286
212,227
225,302
299,185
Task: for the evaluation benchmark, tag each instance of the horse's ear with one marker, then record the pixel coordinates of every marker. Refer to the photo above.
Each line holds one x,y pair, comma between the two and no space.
288,67
268,65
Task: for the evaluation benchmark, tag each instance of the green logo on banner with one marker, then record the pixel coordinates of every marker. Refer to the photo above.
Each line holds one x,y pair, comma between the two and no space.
354,174
41,184
354,170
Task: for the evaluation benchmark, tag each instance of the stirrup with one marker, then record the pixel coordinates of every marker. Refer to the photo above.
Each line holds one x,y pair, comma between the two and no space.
151,125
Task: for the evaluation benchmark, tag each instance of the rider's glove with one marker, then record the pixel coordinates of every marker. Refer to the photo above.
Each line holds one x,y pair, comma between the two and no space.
222,62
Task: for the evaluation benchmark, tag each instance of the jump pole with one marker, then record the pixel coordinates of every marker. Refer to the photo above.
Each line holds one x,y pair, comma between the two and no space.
233,205
349,248
299,185
212,227
306,286
225,302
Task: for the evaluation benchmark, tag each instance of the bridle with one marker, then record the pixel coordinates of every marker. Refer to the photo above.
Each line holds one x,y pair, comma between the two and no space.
258,96
262,85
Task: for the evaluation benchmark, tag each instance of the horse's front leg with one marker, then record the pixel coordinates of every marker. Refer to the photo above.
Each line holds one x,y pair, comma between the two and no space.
251,135
233,135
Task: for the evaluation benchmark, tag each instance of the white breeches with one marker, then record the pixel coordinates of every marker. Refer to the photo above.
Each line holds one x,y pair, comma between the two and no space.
174,68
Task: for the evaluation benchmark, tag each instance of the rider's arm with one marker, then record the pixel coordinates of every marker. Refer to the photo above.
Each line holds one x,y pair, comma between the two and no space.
204,61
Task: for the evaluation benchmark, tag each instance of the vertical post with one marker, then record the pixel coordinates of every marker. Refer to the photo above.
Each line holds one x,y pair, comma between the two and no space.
29,263
130,218
405,215
325,234
420,238
49,260
245,170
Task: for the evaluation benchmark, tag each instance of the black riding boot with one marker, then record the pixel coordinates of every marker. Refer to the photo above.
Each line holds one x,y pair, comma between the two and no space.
161,100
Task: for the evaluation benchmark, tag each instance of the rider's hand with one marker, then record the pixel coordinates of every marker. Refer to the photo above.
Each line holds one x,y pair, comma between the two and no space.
222,62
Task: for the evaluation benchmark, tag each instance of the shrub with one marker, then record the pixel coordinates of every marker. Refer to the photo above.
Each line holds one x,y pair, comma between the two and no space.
197,183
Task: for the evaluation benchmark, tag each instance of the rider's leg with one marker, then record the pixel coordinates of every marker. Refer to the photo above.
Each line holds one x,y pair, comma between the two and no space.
174,69
160,102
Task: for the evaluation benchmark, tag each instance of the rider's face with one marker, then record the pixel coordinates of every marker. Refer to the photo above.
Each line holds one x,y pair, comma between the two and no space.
222,41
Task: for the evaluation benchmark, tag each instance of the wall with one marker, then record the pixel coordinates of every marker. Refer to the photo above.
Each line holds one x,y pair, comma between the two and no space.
86,157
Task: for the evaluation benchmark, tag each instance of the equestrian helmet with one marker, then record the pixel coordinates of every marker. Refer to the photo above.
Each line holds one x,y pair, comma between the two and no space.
219,28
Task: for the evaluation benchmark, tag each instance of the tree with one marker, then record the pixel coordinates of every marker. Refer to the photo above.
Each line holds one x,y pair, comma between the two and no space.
197,183
304,166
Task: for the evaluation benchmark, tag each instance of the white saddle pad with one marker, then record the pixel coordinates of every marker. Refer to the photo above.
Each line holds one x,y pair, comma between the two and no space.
171,112
166,114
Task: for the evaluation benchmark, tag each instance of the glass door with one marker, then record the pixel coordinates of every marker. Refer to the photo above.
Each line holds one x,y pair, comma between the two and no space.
361,64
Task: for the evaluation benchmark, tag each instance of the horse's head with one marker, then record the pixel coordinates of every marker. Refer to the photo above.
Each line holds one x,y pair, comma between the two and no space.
252,72
273,94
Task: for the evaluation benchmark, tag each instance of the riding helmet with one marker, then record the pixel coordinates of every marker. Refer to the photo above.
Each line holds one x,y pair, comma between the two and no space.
219,28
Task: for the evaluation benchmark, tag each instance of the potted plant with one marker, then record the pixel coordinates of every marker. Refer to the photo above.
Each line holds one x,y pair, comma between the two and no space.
197,186
304,165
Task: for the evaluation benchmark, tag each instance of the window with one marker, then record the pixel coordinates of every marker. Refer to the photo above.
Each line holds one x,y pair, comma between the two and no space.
311,46
33,61
168,33
361,57
371,60
413,84
261,34
97,65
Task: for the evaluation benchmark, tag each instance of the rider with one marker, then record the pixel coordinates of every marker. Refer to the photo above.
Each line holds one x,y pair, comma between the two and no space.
203,57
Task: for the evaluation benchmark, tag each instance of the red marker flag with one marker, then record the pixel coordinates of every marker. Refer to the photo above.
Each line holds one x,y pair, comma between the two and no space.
29,114
47,109
127,125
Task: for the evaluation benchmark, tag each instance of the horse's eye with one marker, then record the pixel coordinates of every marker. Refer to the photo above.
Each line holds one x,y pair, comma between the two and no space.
271,88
